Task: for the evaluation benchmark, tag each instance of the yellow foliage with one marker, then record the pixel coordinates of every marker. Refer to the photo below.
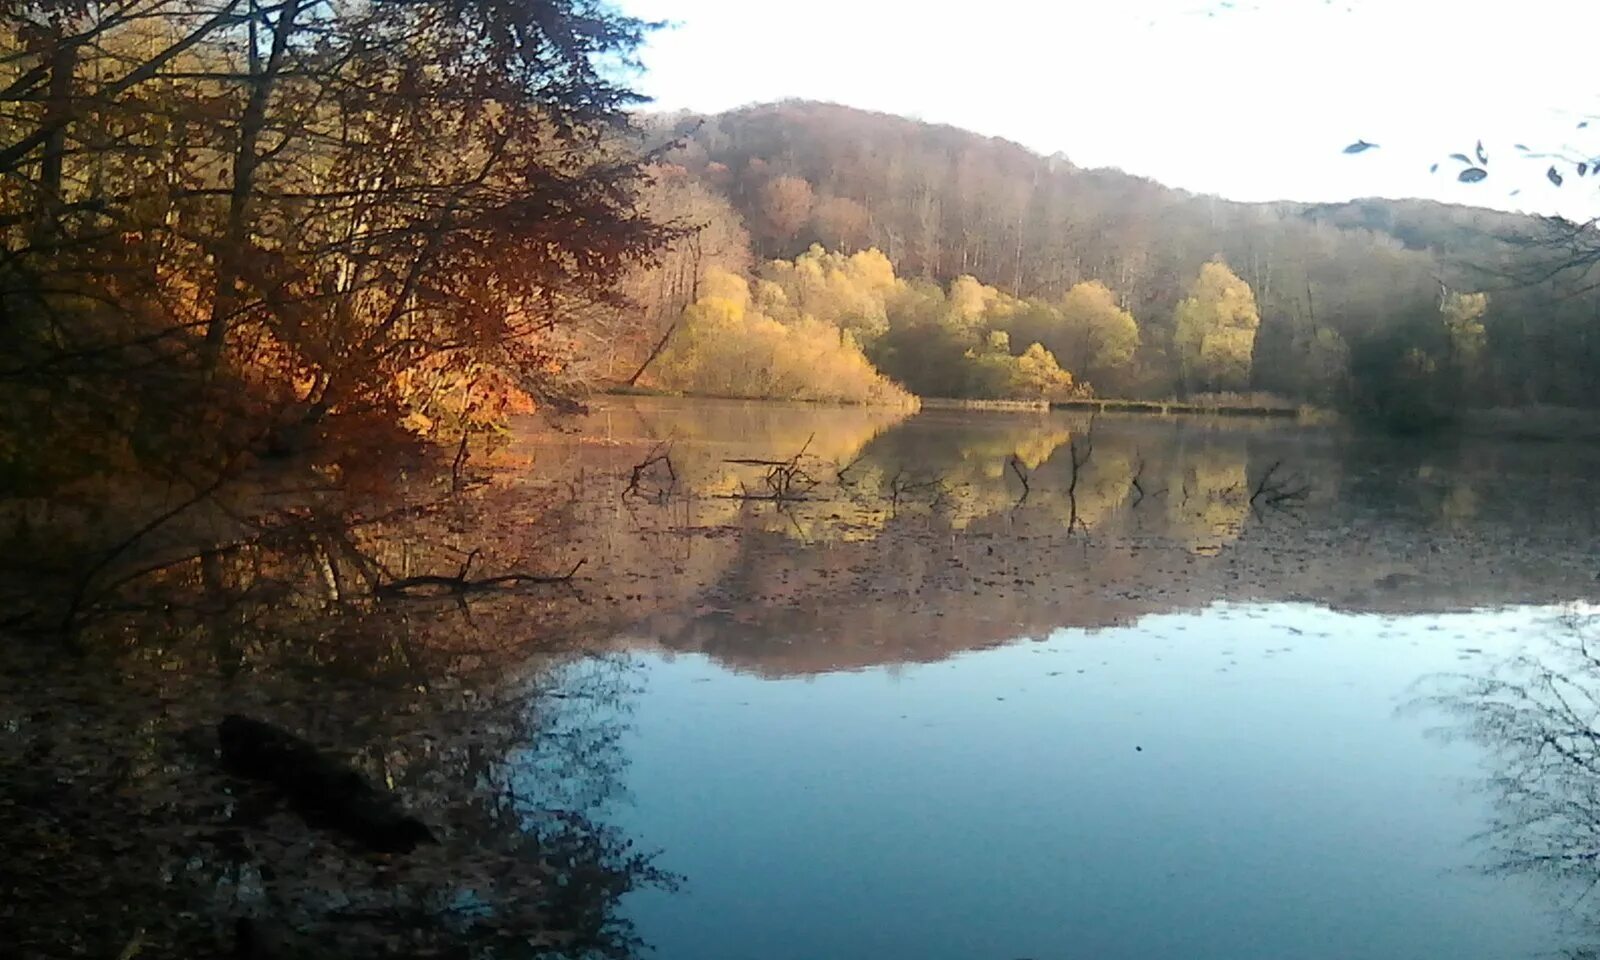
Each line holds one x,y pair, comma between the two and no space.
1038,374
727,348
849,292
1091,315
1463,319
1208,499
971,301
1214,330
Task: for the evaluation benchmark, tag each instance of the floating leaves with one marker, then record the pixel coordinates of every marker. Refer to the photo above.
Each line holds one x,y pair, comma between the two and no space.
1360,146
1462,157
1434,168
1583,168
1483,156
1472,175
1554,176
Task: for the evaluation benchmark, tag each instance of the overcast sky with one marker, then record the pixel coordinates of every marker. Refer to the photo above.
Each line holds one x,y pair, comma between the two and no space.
1252,99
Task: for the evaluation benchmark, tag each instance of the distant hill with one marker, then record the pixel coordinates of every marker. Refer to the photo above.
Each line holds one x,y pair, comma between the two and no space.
943,202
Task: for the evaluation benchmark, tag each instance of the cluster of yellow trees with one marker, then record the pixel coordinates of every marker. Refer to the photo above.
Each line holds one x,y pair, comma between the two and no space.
830,326
736,341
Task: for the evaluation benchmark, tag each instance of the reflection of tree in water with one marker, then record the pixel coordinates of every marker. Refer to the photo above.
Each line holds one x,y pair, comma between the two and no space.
1538,717
1207,498
959,470
122,834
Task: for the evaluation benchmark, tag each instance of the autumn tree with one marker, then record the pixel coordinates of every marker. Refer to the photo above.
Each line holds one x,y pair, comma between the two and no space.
841,223
705,234
785,208
1463,321
729,347
1086,330
848,292
332,210
1039,375
1214,330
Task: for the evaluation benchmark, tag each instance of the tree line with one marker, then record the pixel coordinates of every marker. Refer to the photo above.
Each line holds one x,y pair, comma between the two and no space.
831,326
1352,302
235,227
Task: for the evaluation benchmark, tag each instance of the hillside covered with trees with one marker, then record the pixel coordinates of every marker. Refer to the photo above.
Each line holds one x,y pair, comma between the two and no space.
981,250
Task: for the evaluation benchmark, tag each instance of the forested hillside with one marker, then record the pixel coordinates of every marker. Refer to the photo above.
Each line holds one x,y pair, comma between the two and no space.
1372,304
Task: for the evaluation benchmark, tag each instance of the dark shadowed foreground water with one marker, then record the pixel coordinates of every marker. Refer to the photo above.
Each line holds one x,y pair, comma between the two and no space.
954,685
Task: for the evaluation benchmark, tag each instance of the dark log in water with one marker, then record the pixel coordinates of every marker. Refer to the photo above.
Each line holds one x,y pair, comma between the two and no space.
322,790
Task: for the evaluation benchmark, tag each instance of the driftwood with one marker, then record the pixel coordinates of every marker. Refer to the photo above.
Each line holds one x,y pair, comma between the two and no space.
325,792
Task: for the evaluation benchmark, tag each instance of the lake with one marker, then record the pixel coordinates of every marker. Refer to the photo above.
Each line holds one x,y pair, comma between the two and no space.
855,683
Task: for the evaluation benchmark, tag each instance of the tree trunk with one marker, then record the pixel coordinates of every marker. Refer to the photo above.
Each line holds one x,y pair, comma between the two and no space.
225,298
58,111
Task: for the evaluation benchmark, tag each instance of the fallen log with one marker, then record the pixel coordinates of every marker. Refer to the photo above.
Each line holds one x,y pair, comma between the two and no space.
323,791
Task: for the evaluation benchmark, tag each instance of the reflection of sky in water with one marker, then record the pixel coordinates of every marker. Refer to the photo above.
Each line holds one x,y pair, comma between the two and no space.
1234,784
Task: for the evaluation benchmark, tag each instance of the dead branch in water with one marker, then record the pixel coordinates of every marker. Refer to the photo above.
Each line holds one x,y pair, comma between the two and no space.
1275,490
660,454
904,486
1137,483
786,480
1016,467
840,472
410,586
1079,454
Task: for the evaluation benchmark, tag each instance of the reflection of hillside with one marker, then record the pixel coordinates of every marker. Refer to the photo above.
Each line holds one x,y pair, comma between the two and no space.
784,611
852,577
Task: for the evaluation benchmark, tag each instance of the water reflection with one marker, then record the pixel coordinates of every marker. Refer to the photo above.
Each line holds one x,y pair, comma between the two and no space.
1225,784
948,531
500,710
1537,717
120,827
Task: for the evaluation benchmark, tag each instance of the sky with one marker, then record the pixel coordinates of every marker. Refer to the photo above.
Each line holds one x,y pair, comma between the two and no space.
1249,99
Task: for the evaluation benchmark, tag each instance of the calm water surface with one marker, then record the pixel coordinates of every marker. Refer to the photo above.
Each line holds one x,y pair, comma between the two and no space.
976,685
1218,750
1231,783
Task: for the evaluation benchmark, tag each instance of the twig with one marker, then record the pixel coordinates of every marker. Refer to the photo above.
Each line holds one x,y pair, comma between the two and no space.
839,472
786,480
